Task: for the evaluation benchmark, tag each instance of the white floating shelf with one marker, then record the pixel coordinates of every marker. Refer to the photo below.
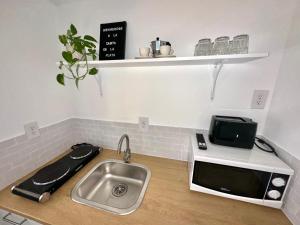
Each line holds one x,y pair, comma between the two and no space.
217,60
180,61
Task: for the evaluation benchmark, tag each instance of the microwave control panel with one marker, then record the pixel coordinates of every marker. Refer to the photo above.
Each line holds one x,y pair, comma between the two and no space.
277,186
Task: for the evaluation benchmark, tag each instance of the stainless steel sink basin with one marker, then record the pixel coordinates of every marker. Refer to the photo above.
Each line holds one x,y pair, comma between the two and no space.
113,186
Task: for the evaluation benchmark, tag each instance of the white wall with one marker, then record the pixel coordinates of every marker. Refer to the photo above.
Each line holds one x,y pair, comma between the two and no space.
179,96
28,90
175,96
283,124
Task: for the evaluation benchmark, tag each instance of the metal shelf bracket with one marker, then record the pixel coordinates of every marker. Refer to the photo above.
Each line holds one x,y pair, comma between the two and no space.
217,69
98,78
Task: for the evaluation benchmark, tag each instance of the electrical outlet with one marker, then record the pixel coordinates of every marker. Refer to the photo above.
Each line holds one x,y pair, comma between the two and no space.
32,130
259,99
144,123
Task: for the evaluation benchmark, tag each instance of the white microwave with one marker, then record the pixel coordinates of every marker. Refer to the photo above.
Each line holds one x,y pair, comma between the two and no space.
252,176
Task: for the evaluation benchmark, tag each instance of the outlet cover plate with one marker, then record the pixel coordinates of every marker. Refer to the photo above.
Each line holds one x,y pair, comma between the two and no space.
32,130
259,99
144,123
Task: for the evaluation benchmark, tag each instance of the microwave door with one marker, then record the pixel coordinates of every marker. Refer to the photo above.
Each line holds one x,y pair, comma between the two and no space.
231,180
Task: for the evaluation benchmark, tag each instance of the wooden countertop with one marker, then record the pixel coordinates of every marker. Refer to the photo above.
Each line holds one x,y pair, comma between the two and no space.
168,200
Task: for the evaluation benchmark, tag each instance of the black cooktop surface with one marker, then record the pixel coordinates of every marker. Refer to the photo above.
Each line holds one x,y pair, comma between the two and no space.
80,153
50,174
48,179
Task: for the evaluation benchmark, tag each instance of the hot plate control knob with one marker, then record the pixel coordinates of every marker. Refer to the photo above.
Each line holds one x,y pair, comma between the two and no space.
274,194
44,197
278,182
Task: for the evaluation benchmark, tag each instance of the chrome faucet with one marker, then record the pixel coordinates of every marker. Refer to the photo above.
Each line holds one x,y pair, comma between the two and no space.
127,152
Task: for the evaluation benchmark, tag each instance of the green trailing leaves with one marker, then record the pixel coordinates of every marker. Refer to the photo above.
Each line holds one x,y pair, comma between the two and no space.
92,51
89,38
69,33
78,50
63,39
77,37
93,71
73,29
67,56
78,46
89,44
60,78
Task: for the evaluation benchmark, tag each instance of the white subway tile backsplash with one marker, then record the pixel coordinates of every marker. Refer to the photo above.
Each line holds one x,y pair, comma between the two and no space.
157,141
19,155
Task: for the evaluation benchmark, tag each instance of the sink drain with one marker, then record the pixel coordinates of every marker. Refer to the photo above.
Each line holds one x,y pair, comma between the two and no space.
119,190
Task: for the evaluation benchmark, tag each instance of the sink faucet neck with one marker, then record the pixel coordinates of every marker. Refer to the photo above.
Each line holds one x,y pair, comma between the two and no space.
127,152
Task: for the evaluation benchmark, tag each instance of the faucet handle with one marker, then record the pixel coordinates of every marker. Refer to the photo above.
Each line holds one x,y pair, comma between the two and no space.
127,155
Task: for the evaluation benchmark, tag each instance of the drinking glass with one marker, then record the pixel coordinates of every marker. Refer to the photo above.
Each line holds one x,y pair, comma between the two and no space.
221,46
240,44
204,47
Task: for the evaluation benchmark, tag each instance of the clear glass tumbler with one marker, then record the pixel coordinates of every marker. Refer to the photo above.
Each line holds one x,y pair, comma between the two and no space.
240,44
204,47
221,46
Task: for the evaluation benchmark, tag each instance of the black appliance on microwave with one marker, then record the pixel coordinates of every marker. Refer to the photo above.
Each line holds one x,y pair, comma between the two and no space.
231,131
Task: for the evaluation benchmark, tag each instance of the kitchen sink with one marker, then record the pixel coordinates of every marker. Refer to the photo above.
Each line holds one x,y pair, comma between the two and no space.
113,186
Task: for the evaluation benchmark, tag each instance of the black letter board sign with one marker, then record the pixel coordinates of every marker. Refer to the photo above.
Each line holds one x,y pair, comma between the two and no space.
112,41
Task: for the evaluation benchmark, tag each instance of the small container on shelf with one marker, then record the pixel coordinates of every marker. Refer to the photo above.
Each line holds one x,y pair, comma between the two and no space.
221,46
204,47
240,44
230,48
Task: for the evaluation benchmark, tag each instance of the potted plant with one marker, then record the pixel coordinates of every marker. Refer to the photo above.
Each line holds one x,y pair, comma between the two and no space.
77,51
